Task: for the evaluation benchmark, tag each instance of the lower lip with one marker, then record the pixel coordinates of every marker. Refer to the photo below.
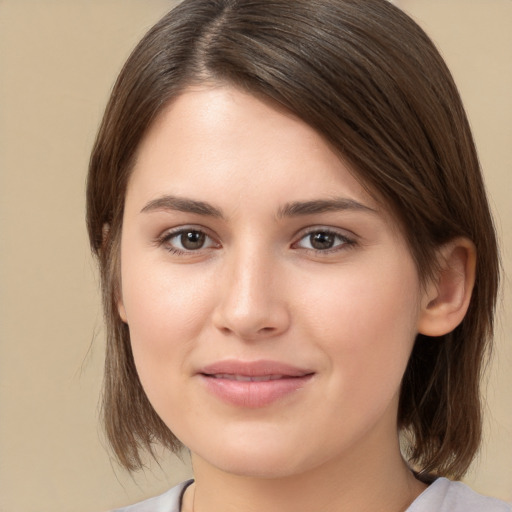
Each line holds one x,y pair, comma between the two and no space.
254,394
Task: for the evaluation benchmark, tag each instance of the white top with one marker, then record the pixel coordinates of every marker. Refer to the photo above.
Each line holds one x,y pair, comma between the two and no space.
441,496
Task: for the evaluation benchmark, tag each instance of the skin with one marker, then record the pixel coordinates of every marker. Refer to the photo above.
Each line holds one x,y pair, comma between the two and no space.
257,289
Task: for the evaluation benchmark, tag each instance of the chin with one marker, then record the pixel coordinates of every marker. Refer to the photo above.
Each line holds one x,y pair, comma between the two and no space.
266,459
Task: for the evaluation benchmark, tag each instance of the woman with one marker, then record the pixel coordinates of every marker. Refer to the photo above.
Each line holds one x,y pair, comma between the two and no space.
298,261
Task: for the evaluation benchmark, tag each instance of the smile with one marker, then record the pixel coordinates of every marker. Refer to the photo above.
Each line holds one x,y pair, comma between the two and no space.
247,378
253,384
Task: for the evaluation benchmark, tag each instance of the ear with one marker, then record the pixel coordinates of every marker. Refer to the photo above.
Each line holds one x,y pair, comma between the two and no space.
447,295
121,310
105,232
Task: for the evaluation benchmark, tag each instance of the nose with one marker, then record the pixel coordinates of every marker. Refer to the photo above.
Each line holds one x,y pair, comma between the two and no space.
252,303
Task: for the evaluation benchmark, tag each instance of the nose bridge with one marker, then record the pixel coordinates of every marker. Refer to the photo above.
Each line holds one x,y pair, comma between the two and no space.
250,305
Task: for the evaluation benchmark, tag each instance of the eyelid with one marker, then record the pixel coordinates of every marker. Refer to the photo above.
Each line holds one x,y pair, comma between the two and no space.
349,239
342,232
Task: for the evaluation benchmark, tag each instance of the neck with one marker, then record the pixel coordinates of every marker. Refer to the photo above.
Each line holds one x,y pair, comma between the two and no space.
354,482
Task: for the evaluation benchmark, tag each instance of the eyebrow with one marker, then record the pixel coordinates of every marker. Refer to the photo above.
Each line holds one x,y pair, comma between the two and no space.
298,208
182,204
293,209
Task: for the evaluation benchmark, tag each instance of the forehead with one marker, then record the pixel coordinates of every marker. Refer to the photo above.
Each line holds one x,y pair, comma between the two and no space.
225,143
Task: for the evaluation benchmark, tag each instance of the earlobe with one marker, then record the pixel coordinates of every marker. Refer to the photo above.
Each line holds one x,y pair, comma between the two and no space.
105,232
121,311
447,296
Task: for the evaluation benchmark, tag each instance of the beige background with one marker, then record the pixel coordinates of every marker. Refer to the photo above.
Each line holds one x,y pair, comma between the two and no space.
58,60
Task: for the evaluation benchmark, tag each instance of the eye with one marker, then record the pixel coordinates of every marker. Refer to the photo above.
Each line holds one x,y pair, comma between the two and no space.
187,240
323,240
191,240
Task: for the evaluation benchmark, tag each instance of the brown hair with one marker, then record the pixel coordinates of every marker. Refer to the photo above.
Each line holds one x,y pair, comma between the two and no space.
370,81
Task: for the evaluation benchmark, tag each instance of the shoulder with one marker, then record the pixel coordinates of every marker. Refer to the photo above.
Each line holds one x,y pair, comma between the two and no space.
169,501
446,496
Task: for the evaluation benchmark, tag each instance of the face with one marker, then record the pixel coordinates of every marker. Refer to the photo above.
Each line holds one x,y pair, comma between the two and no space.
272,303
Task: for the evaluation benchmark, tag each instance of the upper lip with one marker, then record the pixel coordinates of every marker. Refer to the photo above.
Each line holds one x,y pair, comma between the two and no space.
260,368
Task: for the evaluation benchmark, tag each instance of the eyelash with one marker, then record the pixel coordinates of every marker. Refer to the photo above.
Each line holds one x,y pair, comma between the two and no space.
344,242
164,241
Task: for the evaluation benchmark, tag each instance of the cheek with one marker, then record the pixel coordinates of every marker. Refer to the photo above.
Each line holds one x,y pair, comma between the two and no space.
166,310
366,319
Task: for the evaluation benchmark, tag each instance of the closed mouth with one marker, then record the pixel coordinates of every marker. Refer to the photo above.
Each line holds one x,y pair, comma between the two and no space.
248,378
254,384
260,370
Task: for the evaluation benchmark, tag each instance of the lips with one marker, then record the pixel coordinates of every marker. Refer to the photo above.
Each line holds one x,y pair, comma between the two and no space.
246,378
253,384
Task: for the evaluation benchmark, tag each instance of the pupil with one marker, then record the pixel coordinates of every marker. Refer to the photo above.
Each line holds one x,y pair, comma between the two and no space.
192,240
322,240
